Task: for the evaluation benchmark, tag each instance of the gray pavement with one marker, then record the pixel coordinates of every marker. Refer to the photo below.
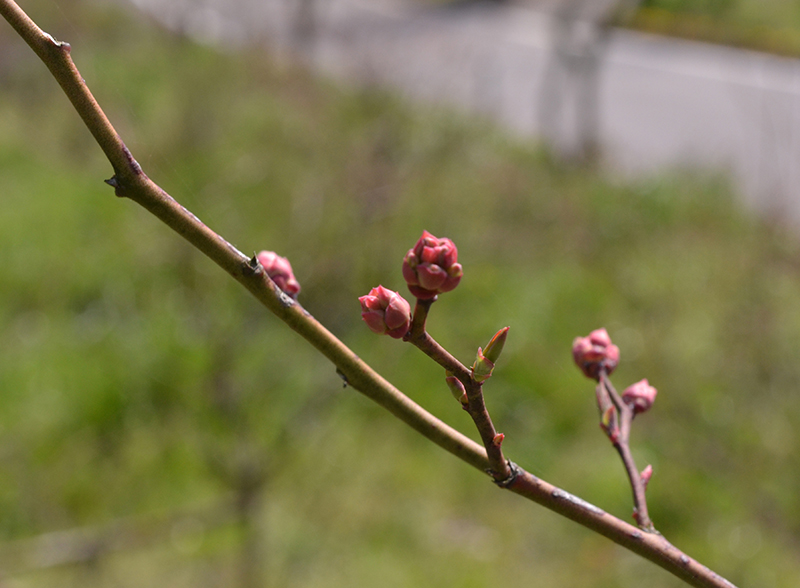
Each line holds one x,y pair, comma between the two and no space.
655,103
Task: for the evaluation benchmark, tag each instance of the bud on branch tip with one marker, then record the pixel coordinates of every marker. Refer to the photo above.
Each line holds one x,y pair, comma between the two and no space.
280,271
431,267
639,396
386,312
595,352
495,346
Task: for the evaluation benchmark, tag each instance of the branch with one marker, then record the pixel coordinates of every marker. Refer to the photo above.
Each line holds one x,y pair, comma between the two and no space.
623,447
473,389
130,181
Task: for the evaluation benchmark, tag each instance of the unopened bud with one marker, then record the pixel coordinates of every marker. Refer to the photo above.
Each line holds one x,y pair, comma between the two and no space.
595,352
639,396
498,439
609,424
495,346
456,387
646,474
482,368
431,267
386,312
280,271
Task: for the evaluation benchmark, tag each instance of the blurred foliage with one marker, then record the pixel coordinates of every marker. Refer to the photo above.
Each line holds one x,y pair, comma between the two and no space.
136,378
764,25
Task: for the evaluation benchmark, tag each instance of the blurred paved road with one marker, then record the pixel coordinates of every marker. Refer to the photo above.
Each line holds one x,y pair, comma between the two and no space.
662,103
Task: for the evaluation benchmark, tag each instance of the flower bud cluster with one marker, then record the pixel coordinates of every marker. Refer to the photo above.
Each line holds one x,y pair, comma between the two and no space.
430,268
595,352
597,357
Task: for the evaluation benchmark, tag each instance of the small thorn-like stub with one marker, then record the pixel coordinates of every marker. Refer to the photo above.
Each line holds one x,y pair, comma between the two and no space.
640,396
431,267
594,353
280,271
253,263
609,423
646,474
497,441
386,312
482,368
456,387
119,190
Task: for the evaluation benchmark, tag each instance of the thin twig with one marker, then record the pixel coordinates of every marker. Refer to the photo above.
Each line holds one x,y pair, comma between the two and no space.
623,447
476,405
129,181
419,337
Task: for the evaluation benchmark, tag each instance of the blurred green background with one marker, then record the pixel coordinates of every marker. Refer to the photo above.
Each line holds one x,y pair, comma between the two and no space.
764,25
138,381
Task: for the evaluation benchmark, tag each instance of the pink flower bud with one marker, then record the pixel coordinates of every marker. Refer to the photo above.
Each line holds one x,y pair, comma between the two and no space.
497,440
639,396
386,312
280,271
430,268
595,352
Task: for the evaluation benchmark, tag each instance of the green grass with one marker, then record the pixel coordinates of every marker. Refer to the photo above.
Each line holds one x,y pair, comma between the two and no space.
772,26
764,25
135,377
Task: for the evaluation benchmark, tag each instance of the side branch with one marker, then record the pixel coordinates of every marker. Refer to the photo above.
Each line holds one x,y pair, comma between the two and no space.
473,389
131,182
622,445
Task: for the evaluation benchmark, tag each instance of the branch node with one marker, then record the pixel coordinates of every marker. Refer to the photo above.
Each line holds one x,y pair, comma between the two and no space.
512,477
